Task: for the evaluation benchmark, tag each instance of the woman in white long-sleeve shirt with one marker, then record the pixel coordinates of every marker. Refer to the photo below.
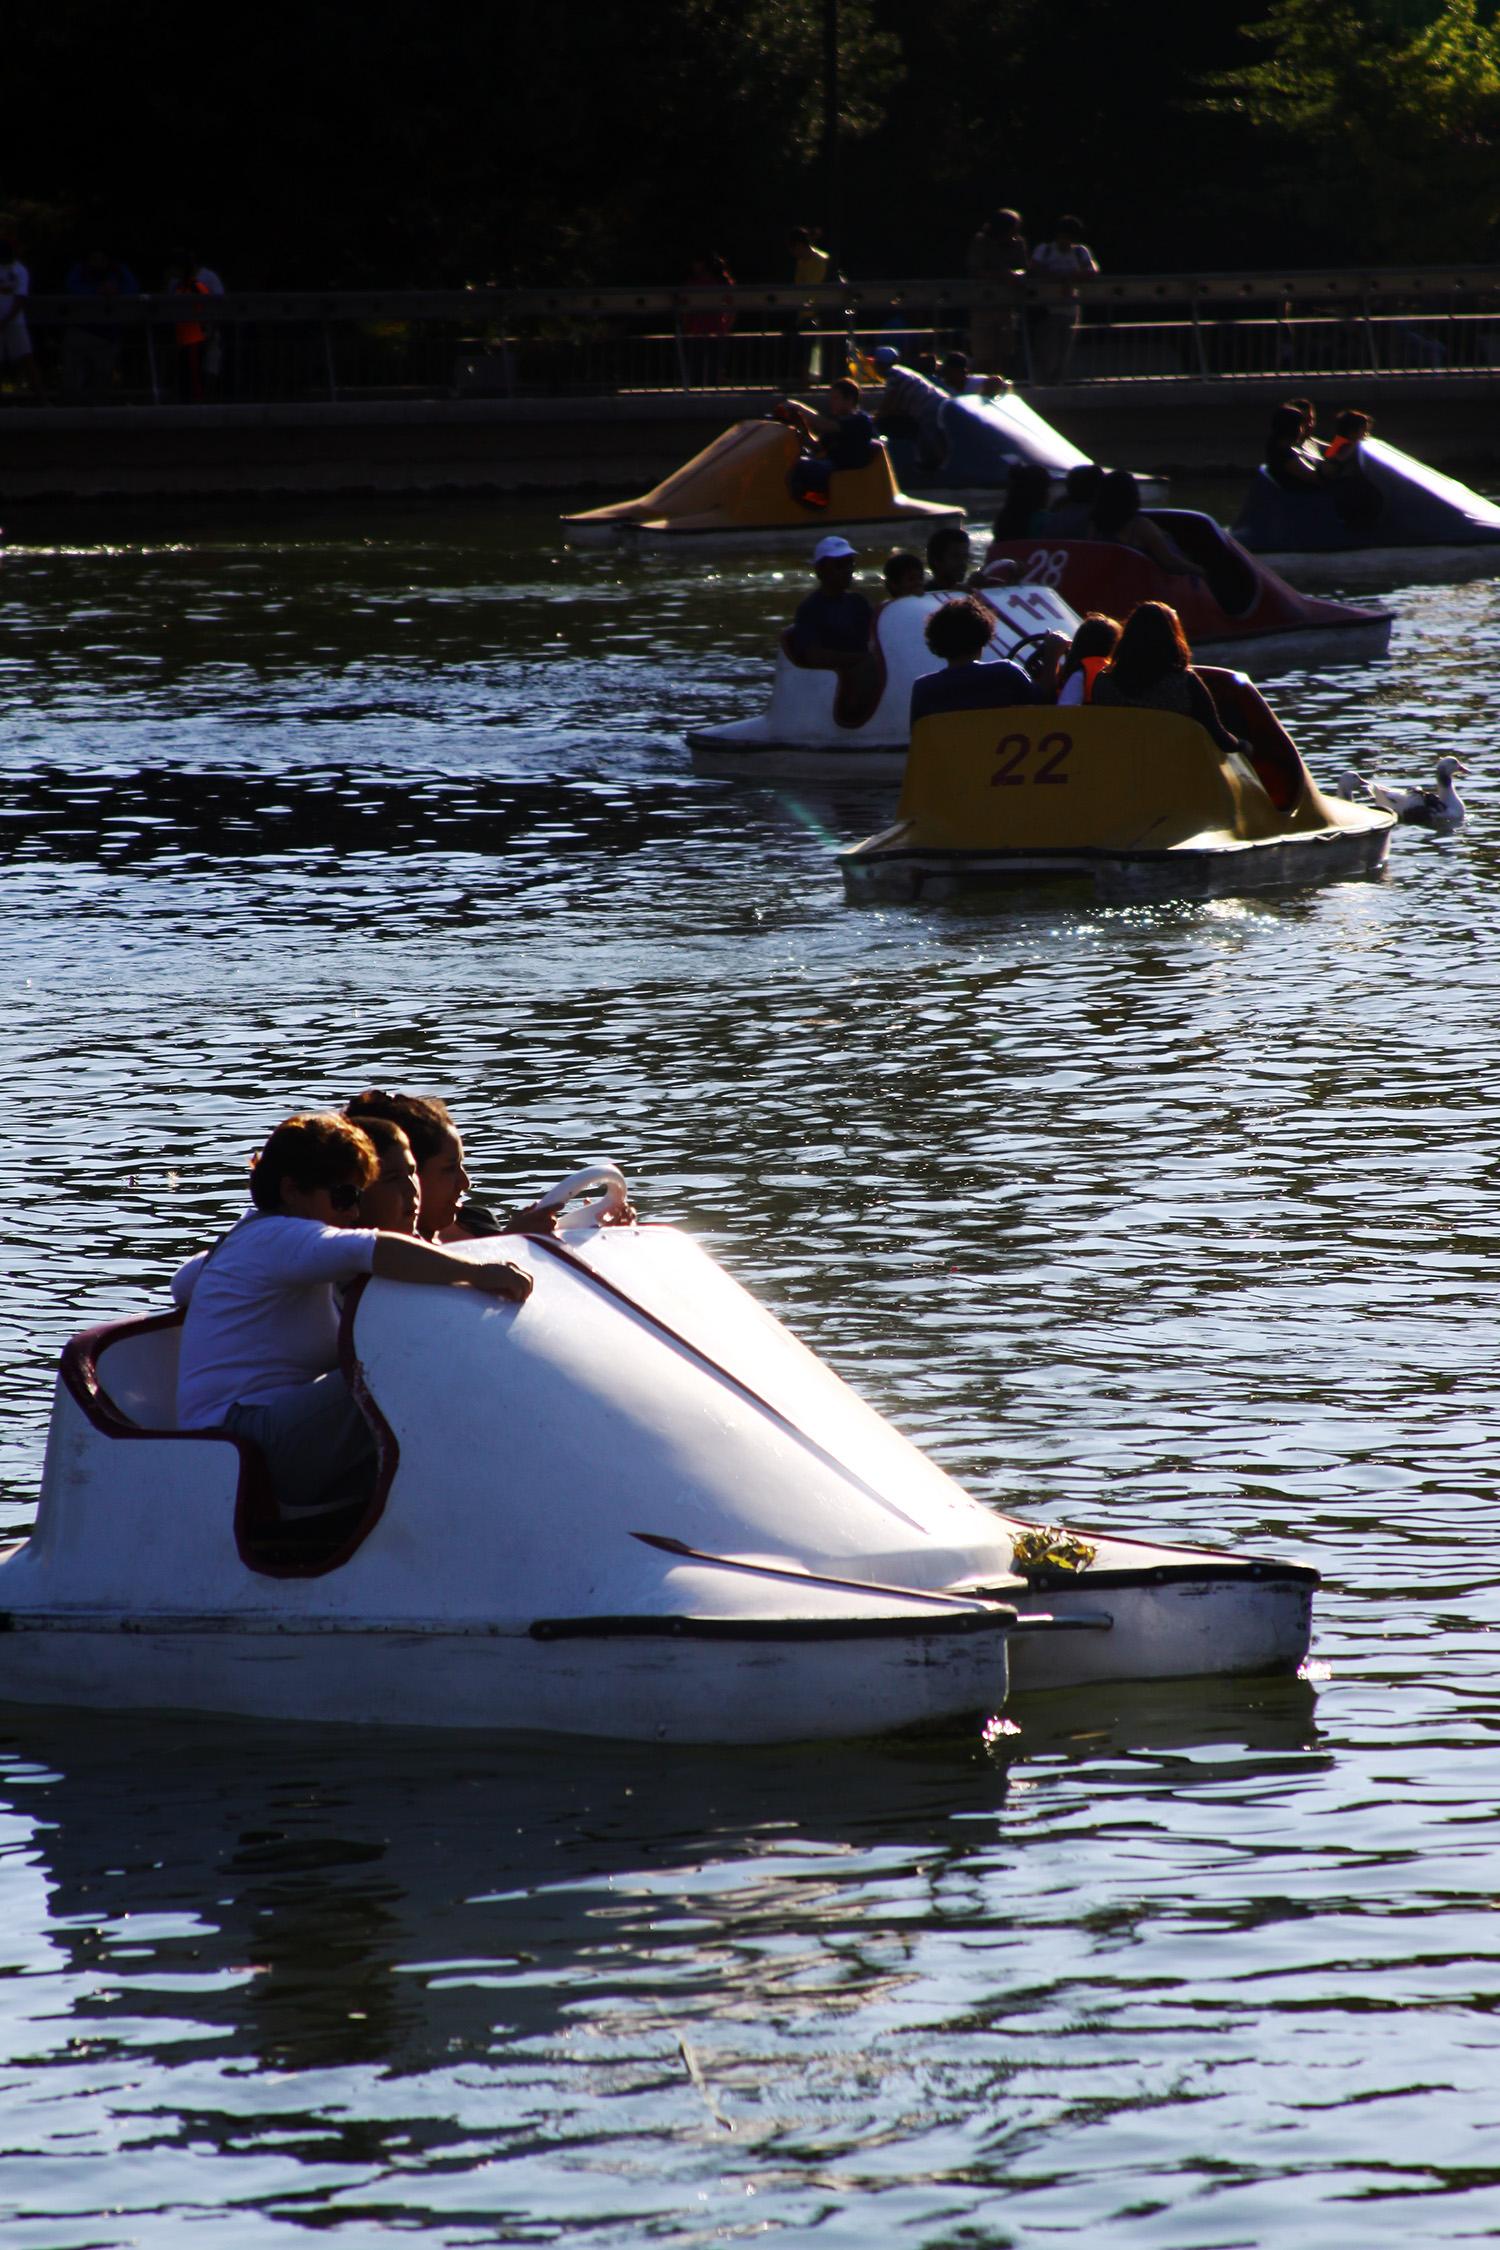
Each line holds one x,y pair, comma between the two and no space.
260,1340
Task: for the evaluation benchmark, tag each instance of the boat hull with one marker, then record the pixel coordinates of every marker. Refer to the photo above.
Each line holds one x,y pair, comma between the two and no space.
1234,609
1387,566
633,1507
1174,1622
1266,655
629,1680
1228,871
793,537
749,752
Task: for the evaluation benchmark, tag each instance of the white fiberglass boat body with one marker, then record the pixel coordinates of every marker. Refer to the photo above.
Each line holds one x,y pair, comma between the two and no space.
810,730
633,1507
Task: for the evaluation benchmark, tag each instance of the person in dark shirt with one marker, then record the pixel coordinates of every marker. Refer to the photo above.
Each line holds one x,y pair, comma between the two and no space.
1289,460
833,625
841,437
948,559
959,633
1070,518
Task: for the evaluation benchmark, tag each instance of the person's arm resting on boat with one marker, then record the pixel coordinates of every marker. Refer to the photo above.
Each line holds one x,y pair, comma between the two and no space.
406,1257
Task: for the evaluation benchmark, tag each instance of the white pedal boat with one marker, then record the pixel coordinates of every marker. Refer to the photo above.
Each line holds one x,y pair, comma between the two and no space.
809,730
632,1508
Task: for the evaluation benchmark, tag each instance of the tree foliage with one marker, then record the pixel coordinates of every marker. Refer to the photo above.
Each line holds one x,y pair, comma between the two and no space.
1386,119
345,144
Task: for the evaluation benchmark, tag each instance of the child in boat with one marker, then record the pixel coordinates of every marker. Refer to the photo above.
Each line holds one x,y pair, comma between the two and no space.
1357,500
841,437
394,1197
260,1341
903,574
1089,653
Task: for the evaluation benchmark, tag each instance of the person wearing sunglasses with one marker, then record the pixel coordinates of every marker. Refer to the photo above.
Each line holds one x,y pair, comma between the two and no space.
394,1197
443,1181
260,1340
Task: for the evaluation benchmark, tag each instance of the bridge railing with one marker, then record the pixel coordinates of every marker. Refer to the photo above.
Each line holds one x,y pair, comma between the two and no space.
272,346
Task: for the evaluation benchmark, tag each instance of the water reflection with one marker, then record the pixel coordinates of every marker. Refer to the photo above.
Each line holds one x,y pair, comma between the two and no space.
589,1940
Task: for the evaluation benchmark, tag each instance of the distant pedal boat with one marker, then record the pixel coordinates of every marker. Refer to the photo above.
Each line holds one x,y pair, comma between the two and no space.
1235,610
812,732
734,494
1137,803
633,1507
1418,525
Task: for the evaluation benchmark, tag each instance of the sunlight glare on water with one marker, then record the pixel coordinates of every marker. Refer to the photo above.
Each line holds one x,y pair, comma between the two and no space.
1173,1219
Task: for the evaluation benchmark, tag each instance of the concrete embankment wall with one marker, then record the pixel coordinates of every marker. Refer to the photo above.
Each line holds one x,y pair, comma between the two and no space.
623,444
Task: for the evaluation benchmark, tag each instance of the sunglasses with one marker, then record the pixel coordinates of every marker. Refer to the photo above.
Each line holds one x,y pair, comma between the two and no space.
344,1196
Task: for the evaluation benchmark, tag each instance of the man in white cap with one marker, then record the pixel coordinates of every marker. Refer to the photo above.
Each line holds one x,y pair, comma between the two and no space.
831,630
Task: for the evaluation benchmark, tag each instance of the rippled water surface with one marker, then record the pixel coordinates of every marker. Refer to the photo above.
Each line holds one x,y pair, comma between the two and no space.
1177,1219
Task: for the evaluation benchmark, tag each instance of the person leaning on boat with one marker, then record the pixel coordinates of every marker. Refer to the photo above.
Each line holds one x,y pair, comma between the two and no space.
1152,670
842,436
260,1340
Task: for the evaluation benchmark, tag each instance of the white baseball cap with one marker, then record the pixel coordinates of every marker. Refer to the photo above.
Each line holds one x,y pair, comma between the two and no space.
827,549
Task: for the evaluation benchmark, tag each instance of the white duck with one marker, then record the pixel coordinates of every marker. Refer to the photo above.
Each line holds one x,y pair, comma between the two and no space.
1438,805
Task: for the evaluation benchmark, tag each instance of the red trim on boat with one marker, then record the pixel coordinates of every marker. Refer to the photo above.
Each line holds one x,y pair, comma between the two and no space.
261,1535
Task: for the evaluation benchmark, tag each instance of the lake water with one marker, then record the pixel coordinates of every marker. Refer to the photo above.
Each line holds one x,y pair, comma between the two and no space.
1176,1219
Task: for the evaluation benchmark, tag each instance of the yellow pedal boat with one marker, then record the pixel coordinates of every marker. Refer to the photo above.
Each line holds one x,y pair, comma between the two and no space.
1140,803
734,493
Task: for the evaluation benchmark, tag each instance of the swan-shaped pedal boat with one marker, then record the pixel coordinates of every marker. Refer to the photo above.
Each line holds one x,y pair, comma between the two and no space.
813,729
633,1507
1139,803
984,439
1236,610
734,494
1413,523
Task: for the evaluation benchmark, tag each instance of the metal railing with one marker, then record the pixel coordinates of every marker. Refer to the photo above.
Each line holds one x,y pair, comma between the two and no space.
268,347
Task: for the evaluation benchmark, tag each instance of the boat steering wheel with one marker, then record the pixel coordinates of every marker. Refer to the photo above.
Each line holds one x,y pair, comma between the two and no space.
612,1208
1032,640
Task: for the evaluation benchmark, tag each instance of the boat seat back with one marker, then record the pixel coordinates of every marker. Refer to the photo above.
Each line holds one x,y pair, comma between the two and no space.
854,699
1096,779
136,1372
124,1377
1232,577
742,479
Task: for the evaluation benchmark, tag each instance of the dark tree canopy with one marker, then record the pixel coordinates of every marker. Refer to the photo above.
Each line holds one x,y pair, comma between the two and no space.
343,144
